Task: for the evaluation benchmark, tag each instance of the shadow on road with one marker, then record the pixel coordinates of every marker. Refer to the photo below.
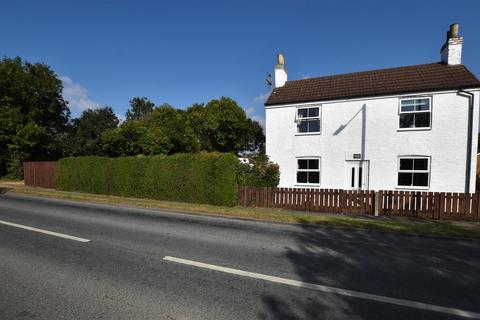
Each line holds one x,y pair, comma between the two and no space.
436,271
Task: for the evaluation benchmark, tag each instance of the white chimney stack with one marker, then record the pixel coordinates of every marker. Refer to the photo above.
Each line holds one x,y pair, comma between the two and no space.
452,49
280,71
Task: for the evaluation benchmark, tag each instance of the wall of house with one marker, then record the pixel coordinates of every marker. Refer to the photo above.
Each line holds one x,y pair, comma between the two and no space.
346,130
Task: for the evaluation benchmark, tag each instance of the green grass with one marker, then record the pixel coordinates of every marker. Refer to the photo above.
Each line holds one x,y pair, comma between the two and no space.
399,225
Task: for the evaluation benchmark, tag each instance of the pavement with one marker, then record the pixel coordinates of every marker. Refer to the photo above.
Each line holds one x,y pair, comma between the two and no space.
70,260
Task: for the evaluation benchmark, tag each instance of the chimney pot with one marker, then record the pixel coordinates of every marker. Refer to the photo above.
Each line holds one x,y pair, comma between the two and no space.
454,30
281,75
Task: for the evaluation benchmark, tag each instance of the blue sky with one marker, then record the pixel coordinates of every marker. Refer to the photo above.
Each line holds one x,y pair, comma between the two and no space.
183,52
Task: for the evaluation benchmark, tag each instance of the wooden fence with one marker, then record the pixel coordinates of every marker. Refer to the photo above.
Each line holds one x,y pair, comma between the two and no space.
40,174
426,205
430,205
314,200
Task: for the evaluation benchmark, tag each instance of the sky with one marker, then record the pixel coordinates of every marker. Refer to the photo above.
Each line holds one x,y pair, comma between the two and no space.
183,52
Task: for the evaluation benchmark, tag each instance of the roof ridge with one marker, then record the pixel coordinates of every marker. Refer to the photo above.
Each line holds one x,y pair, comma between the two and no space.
413,78
375,70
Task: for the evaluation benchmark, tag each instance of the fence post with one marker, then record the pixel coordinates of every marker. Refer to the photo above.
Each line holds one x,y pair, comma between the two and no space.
376,203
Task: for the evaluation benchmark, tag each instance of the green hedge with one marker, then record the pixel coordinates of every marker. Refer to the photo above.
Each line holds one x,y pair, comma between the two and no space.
197,178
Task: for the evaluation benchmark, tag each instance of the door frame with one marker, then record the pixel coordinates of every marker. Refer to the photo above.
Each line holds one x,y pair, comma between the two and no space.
365,166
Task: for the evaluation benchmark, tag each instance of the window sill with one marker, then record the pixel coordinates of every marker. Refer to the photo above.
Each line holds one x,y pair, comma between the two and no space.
308,134
414,129
307,185
412,188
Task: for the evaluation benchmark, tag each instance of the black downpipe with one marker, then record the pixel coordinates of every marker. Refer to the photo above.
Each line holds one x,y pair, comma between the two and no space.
469,139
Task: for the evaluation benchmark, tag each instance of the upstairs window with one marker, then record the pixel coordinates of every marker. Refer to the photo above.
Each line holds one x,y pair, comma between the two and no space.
415,113
308,120
413,171
308,171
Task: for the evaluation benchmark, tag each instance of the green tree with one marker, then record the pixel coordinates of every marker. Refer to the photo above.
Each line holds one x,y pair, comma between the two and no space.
140,109
31,107
88,130
261,172
222,125
173,123
124,140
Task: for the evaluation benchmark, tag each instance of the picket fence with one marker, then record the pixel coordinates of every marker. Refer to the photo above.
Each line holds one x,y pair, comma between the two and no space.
418,204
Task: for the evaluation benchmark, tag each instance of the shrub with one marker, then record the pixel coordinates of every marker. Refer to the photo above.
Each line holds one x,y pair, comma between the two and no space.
259,173
198,178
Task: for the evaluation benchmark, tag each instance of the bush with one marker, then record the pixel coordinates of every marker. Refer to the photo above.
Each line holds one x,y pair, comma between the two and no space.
259,173
198,178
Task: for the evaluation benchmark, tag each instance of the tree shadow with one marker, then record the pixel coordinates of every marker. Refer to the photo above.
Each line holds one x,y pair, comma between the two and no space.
436,271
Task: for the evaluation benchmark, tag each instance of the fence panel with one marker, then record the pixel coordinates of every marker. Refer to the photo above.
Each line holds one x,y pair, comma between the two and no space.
430,205
311,200
40,174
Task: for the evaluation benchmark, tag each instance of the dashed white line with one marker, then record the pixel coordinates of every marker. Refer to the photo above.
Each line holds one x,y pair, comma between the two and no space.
327,289
50,233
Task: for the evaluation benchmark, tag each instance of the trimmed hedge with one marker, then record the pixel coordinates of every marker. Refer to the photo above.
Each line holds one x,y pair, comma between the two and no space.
198,178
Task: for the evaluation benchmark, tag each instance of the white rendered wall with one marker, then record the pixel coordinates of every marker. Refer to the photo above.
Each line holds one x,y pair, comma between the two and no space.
445,142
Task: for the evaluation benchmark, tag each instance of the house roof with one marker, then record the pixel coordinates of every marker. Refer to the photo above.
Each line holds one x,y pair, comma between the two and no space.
410,79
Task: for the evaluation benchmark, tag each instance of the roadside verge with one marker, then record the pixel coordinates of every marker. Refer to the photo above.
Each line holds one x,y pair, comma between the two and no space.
388,224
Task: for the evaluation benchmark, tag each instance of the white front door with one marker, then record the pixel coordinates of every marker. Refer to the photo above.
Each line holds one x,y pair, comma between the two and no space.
357,173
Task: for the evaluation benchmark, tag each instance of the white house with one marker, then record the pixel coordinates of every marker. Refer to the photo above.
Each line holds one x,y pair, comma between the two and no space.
412,127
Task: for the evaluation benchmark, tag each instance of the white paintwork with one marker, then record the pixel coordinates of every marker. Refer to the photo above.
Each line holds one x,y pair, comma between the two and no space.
50,233
280,75
327,289
451,52
341,137
356,174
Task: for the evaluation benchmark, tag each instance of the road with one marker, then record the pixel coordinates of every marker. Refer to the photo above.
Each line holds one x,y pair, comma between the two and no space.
146,264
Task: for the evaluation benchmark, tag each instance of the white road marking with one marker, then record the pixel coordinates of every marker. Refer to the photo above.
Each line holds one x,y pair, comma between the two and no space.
322,288
51,233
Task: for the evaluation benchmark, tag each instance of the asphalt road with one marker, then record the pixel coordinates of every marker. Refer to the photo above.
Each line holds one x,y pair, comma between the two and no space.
122,272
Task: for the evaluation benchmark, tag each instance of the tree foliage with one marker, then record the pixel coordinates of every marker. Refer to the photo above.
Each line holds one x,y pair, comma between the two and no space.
35,123
33,114
261,172
140,109
88,130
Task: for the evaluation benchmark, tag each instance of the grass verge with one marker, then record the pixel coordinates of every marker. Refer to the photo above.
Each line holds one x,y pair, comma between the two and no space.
389,224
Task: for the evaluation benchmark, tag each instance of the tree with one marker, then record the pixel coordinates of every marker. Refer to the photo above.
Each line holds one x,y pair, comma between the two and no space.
88,130
124,140
223,126
31,107
261,172
140,109
173,123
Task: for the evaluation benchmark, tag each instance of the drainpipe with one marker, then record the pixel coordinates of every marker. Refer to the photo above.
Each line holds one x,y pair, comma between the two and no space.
469,139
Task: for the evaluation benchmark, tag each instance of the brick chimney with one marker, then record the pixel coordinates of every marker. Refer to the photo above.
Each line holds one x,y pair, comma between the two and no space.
280,71
451,51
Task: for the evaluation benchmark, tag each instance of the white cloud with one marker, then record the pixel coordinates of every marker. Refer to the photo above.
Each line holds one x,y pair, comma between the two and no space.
77,96
121,118
261,98
250,111
260,120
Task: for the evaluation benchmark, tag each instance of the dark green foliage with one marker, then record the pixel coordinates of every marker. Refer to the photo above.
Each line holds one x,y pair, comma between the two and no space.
197,178
221,125
35,124
259,173
140,109
88,131
33,114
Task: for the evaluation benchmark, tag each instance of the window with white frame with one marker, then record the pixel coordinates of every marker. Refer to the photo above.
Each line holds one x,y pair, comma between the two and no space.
308,119
308,171
415,113
413,171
